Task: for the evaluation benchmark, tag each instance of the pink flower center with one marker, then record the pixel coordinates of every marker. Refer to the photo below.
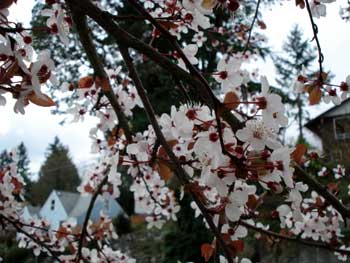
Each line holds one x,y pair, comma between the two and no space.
191,114
257,135
213,136
223,75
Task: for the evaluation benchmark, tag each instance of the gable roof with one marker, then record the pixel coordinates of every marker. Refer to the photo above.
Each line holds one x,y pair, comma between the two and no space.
77,204
68,199
33,210
81,205
338,110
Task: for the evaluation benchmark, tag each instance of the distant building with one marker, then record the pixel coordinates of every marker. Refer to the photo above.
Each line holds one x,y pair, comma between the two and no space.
333,128
61,205
30,211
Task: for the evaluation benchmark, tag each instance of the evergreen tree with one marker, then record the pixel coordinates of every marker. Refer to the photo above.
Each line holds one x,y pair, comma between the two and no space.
23,168
4,158
160,88
57,173
297,54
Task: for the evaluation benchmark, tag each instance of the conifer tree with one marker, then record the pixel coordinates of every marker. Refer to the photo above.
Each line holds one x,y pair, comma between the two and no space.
23,168
297,53
4,158
58,172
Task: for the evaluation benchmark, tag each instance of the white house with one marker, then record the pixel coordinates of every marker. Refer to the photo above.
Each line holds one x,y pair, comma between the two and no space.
30,211
61,205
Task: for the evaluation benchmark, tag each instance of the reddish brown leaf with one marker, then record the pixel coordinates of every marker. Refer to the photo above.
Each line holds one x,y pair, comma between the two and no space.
88,188
43,100
103,83
168,25
162,153
207,251
61,232
86,82
298,153
300,3
319,203
315,95
231,100
252,202
6,3
164,171
237,246
262,25
208,4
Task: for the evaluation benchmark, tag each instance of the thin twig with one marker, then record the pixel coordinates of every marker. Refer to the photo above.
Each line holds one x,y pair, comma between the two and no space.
315,33
31,237
135,18
252,26
193,70
125,38
88,214
90,50
322,190
179,171
295,239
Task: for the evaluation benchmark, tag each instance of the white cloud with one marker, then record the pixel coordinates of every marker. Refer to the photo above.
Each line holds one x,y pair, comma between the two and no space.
38,127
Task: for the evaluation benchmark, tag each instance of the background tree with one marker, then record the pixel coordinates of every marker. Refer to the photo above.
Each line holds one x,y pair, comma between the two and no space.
297,53
160,86
179,241
23,167
58,172
160,89
4,158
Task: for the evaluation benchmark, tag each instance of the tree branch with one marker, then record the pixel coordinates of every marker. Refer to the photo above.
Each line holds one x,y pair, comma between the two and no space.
121,36
315,32
193,70
252,26
322,190
31,237
179,171
88,214
90,50
295,239
124,38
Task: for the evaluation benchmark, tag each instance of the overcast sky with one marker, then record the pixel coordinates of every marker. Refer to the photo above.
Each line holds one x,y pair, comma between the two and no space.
38,127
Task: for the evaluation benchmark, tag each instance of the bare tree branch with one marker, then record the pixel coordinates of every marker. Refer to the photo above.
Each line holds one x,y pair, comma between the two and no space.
179,171
85,38
295,239
31,237
322,190
315,32
252,26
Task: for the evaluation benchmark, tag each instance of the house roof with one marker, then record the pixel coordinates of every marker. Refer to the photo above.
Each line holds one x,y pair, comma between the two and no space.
338,110
81,205
68,199
76,205
33,210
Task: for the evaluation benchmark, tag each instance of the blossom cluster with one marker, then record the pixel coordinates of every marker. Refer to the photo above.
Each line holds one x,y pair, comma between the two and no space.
228,170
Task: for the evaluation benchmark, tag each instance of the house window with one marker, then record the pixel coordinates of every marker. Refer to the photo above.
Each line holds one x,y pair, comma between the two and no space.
53,204
341,127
